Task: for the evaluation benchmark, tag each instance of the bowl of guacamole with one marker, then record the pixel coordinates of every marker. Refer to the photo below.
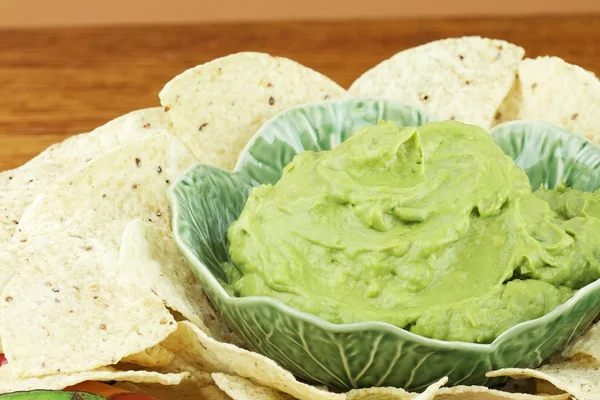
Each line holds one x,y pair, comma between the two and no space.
359,242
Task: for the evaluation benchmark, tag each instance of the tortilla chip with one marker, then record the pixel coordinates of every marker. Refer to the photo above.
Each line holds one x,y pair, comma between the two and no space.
587,344
19,186
483,393
384,393
510,108
150,255
197,348
546,388
66,251
525,386
178,365
156,356
82,326
191,387
557,92
213,393
579,378
218,106
9,383
242,389
464,79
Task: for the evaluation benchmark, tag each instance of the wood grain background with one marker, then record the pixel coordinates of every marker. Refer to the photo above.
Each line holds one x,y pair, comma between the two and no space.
61,81
35,13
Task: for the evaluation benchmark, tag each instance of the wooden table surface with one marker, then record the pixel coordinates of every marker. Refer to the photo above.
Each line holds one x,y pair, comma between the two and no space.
59,82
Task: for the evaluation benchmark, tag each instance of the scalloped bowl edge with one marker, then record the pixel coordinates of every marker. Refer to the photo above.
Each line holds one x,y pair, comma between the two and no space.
264,126
376,325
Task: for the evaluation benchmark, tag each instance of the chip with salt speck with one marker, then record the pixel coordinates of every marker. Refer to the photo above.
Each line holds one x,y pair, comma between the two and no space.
463,79
218,106
72,309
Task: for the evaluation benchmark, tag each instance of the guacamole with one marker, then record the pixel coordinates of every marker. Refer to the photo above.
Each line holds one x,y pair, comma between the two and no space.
432,229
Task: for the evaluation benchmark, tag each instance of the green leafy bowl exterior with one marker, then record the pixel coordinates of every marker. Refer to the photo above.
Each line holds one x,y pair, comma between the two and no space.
206,200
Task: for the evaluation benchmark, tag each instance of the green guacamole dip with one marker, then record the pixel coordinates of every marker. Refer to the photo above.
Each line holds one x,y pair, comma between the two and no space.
432,229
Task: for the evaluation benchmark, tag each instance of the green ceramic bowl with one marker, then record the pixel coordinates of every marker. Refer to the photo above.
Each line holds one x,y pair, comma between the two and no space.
206,200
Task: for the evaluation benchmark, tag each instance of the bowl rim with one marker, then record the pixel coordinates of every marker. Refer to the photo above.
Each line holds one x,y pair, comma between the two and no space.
238,165
569,135
367,325
380,326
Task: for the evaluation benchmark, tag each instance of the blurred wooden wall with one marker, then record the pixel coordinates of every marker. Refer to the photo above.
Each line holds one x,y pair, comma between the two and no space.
15,13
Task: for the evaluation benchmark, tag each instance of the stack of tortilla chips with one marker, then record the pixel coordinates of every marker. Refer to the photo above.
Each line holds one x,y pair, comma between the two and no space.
94,288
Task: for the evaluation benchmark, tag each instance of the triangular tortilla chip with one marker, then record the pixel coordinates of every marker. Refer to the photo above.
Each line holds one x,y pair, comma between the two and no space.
385,393
193,387
9,383
66,253
197,348
242,389
587,344
149,255
213,393
557,92
18,187
580,378
463,79
151,357
483,393
218,106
